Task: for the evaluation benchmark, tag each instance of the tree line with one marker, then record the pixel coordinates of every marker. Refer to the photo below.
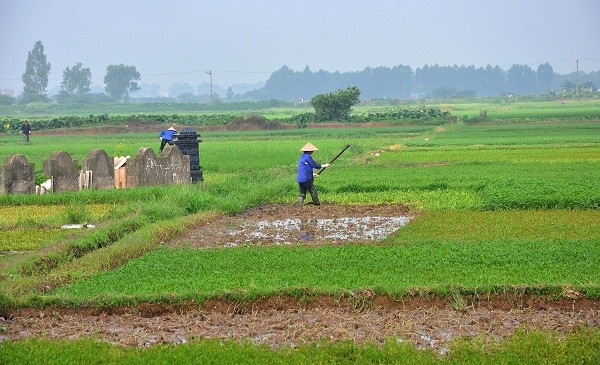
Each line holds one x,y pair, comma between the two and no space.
398,82
401,82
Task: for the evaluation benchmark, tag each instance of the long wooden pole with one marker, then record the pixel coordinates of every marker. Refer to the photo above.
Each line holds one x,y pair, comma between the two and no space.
335,158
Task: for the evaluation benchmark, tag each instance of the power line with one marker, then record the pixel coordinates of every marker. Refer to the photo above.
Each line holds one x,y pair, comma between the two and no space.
167,74
193,72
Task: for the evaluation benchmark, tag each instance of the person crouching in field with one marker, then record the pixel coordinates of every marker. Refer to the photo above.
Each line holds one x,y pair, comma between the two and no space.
166,136
305,178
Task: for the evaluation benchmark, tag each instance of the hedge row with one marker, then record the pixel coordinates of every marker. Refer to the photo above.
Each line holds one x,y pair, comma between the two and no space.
420,115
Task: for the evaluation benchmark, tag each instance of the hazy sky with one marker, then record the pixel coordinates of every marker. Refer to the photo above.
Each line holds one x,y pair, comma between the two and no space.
243,41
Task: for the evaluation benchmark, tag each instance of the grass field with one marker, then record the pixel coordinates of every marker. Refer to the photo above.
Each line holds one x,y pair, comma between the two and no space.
583,347
502,207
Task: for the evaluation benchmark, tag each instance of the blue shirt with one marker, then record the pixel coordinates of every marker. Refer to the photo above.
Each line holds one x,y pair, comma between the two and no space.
305,166
167,134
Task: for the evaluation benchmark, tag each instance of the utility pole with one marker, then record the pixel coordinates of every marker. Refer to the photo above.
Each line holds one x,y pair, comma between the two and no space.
577,87
209,72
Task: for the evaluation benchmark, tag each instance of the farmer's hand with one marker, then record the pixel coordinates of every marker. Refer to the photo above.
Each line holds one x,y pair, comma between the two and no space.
315,175
325,165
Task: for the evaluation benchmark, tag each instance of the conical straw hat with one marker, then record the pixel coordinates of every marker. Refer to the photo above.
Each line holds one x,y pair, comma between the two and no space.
309,147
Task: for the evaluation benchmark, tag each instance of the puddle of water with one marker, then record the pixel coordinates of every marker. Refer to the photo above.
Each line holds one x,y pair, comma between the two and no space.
286,231
366,228
5,253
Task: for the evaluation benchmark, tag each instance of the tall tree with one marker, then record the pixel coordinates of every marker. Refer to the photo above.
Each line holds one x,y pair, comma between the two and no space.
545,74
494,81
76,79
120,81
521,79
279,82
230,94
37,69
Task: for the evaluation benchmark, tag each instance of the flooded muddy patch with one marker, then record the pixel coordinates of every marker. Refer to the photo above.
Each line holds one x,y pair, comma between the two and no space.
281,224
281,321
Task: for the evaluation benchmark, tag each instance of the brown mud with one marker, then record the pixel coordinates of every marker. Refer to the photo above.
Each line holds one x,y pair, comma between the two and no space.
424,320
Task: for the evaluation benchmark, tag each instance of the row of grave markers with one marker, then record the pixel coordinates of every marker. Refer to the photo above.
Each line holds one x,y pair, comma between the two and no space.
98,171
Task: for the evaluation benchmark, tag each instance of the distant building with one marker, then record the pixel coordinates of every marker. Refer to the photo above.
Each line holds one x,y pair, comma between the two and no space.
7,92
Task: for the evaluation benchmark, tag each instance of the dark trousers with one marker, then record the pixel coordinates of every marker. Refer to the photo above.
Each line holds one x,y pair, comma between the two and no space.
310,187
164,142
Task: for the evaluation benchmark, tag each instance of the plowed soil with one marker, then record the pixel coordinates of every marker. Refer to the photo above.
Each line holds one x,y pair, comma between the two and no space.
429,323
425,321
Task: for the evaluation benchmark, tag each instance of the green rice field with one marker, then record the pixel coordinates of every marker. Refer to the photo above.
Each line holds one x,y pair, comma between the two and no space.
500,207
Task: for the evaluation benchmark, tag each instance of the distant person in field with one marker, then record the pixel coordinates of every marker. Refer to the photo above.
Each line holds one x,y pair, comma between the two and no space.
305,179
25,131
166,136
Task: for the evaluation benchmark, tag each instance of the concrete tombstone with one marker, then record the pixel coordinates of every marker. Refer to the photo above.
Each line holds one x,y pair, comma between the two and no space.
17,175
143,169
63,171
103,172
175,166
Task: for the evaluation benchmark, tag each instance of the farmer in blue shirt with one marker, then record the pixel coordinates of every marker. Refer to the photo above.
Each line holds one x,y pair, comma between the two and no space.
166,136
305,179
